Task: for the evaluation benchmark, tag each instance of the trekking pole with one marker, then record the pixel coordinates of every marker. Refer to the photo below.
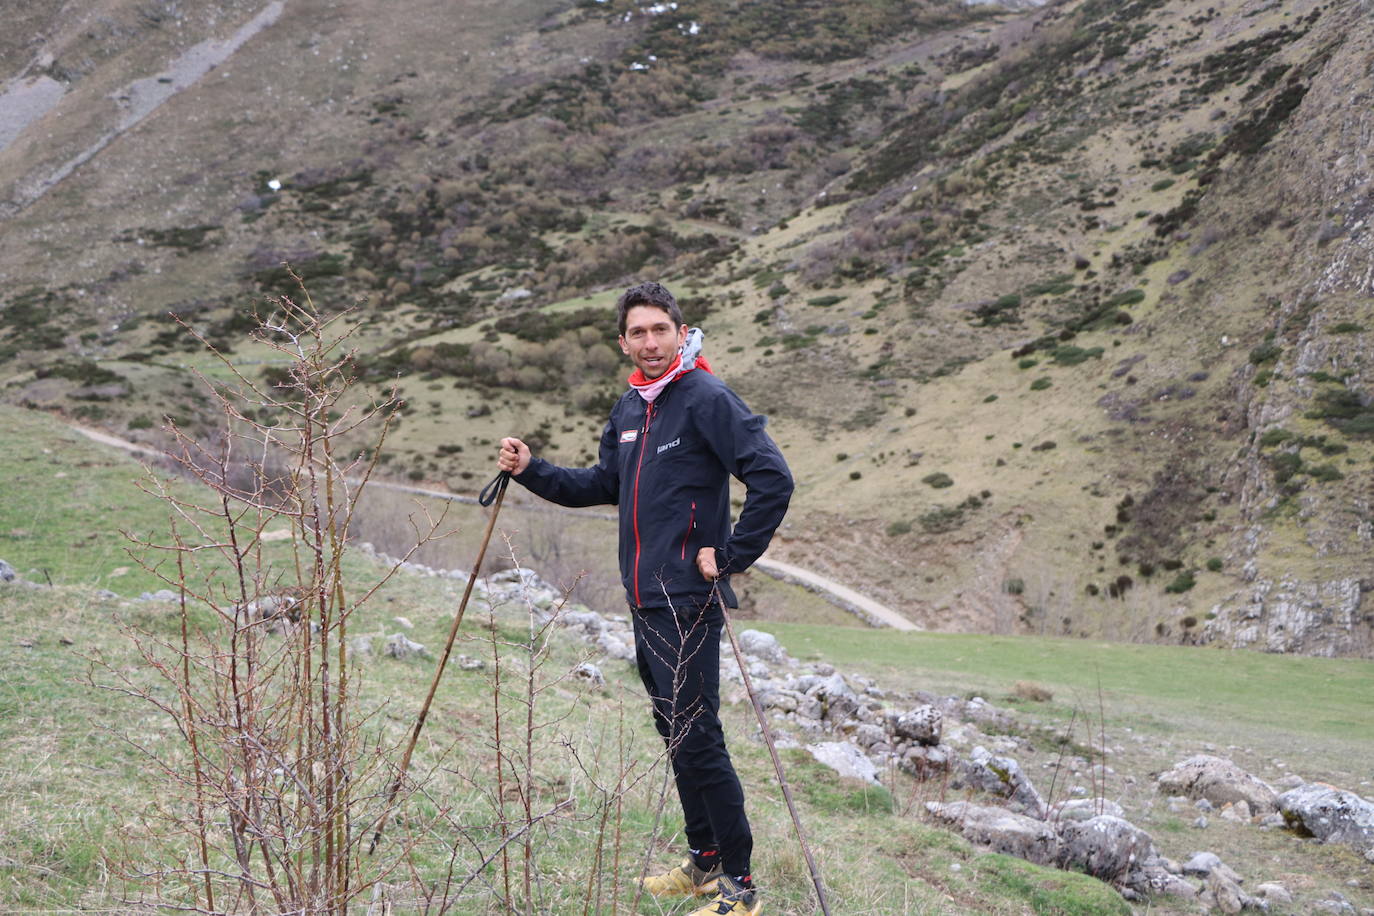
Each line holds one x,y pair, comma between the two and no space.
492,492
773,751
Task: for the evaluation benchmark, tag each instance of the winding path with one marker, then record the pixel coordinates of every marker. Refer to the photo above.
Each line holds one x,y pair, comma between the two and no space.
840,595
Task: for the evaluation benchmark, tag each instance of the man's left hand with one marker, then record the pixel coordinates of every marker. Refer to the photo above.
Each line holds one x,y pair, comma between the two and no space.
706,562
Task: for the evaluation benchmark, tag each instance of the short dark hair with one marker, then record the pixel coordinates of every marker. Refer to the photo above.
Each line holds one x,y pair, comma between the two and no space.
655,294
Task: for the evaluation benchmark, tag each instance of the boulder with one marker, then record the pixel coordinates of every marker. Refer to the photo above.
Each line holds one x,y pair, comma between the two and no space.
762,645
1155,878
845,759
1331,815
1003,776
1000,830
1106,847
1201,864
398,645
7,573
1219,781
923,762
925,725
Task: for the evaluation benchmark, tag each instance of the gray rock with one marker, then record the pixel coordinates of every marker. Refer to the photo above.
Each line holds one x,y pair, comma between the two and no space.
762,645
1155,878
1238,812
846,759
1105,847
162,594
362,645
590,673
923,762
1201,822
398,645
468,663
1226,894
1274,892
869,735
7,573
104,594
1000,830
1331,815
1219,781
1201,864
615,647
779,699
1082,809
925,725
1003,776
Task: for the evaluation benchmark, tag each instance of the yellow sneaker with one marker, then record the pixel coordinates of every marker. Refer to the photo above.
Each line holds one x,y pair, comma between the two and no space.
732,900
686,880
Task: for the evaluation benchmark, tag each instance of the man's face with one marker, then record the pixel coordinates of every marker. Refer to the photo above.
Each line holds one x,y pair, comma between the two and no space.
651,341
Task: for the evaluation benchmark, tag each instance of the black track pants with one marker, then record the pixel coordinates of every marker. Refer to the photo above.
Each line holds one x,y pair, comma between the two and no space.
678,654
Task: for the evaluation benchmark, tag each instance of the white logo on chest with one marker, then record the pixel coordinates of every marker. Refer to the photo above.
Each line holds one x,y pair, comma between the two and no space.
629,435
667,445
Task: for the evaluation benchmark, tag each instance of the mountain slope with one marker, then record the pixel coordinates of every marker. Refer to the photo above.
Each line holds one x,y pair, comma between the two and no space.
1061,314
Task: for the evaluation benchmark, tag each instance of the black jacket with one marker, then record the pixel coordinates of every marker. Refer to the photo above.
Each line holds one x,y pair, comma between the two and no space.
668,467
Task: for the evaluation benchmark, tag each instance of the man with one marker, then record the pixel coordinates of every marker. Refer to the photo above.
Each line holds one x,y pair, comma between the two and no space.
667,454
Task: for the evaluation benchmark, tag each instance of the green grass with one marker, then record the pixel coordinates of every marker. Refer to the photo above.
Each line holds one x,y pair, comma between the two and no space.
66,499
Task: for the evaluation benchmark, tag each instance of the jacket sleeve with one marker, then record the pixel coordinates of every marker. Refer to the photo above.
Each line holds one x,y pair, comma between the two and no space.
594,486
750,454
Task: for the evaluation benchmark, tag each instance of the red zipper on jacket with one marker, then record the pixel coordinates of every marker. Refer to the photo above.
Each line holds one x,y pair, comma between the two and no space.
691,521
634,508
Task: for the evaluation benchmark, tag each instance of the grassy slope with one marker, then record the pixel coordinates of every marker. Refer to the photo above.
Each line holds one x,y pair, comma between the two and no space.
71,788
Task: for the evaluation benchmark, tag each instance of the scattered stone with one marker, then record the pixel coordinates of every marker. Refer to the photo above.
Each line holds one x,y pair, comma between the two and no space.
162,594
1003,776
1275,893
1219,781
468,663
1201,864
762,645
105,594
7,573
1226,894
399,646
404,623
1158,876
845,759
1201,823
1238,812
362,645
590,673
1082,809
615,647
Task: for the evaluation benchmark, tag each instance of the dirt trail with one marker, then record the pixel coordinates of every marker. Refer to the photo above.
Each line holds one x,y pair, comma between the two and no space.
843,596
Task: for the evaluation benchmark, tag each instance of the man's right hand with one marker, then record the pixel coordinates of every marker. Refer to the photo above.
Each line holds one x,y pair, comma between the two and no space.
514,456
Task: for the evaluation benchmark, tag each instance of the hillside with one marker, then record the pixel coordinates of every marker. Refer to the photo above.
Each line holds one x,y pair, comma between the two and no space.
1060,312
94,776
